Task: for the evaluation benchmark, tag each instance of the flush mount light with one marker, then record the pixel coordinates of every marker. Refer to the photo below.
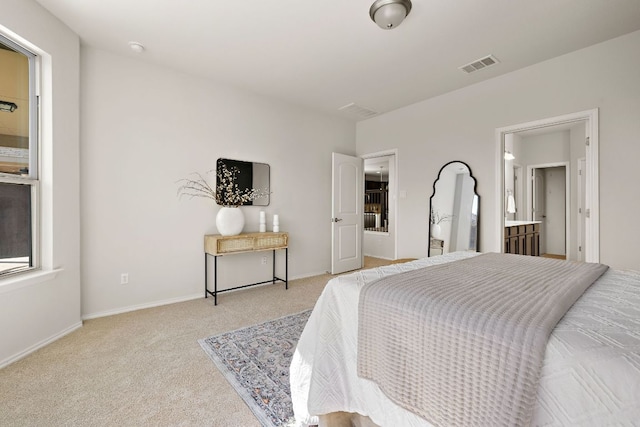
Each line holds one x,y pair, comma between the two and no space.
136,47
8,107
389,14
508,155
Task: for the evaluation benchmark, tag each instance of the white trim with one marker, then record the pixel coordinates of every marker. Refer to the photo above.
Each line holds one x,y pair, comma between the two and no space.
39,345
380,257
580,215
191,297
142,306
592,195
23,280
393,191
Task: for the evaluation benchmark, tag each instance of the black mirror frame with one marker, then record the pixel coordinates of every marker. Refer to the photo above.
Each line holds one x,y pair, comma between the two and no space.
242,166
475,192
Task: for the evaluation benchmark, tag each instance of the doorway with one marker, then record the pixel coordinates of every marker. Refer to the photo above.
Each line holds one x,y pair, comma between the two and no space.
380,205
550,205
583,145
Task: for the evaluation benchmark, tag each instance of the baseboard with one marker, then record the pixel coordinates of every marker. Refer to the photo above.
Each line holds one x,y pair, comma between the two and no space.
304,276
39,345
141,306
380,257
170,301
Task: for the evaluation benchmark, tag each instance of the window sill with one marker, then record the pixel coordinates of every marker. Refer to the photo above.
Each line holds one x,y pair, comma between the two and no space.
24,280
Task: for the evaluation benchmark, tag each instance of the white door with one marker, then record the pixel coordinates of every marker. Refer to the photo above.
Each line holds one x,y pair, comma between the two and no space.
539,210
346,212
555,208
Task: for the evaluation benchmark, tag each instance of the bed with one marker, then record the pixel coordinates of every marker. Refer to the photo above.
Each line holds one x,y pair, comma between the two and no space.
590,375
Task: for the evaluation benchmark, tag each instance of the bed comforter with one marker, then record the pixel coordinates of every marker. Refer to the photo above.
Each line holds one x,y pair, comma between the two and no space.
590,374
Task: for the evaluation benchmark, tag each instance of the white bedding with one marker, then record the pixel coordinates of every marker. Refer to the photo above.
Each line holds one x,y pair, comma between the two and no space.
590,376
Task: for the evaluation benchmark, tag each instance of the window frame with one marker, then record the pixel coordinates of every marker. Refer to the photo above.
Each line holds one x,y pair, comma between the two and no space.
33,178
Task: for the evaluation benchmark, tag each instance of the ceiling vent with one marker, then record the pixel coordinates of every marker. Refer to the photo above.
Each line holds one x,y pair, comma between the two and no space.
358,111
479,64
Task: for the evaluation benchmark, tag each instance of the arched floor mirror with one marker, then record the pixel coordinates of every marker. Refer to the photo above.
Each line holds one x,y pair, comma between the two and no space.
453,211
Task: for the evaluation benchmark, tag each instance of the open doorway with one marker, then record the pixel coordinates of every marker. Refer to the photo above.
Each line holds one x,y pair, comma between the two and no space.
549,206
380,204
564,141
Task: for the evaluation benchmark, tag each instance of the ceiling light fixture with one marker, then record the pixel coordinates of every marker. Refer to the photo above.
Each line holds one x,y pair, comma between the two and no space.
508,155
389,14
8,107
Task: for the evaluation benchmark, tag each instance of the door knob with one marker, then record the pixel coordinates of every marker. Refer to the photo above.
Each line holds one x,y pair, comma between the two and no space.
336,219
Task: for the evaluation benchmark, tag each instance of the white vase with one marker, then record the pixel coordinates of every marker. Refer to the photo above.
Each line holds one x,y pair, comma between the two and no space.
436,231
229,221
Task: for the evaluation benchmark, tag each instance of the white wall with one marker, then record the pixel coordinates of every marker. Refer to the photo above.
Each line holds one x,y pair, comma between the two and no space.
145,127
32,315
461,125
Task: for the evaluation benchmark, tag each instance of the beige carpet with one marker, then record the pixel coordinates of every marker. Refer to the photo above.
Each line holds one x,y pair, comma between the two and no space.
146,368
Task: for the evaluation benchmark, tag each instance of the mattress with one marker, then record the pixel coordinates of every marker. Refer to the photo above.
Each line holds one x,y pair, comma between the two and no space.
590,374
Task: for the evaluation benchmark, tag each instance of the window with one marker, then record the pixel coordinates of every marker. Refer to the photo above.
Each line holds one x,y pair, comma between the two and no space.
19,185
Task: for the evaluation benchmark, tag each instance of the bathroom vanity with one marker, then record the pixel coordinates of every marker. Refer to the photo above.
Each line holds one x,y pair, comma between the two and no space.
522,237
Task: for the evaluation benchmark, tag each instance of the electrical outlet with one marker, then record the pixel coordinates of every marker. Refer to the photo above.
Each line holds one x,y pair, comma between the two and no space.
124,278
264,260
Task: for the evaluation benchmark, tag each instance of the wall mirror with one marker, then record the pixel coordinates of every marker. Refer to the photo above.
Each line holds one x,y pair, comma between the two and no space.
454,208
247,176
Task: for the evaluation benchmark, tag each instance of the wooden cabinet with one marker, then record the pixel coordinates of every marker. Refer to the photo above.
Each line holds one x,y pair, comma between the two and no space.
522,239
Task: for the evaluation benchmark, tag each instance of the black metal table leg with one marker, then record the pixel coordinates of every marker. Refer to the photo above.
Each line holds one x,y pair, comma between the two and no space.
215,280
274,267
215,291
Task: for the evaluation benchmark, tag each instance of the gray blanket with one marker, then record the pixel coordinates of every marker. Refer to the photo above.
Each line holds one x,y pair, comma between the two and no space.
462,343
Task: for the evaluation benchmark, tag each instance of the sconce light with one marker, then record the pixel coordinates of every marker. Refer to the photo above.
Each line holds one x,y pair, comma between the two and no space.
389,14
7,106
508,155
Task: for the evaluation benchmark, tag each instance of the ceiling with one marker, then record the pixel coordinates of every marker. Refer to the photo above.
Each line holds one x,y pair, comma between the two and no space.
325,55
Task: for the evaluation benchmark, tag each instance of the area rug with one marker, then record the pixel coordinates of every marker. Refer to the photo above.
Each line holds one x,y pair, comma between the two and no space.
255,360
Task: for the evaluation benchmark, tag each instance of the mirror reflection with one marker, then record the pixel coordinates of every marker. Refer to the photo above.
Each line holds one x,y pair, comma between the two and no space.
249,175
454,208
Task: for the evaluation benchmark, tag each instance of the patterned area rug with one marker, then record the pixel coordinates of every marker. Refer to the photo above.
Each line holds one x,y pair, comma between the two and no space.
255,360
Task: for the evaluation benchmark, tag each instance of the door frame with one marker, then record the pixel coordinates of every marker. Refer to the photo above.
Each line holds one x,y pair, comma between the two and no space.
518,187
567,198
580,214
592,195
393,193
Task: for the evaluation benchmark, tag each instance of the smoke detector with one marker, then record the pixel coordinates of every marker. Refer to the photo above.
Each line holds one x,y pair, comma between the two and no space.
479,64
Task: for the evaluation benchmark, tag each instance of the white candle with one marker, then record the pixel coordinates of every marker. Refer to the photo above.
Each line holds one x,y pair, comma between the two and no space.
276,224
263,222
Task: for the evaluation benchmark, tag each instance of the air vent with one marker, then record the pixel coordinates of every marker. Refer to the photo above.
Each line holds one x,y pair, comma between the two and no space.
479,64
357,110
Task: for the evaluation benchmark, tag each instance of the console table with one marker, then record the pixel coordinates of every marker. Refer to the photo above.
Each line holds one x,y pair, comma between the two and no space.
216,245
